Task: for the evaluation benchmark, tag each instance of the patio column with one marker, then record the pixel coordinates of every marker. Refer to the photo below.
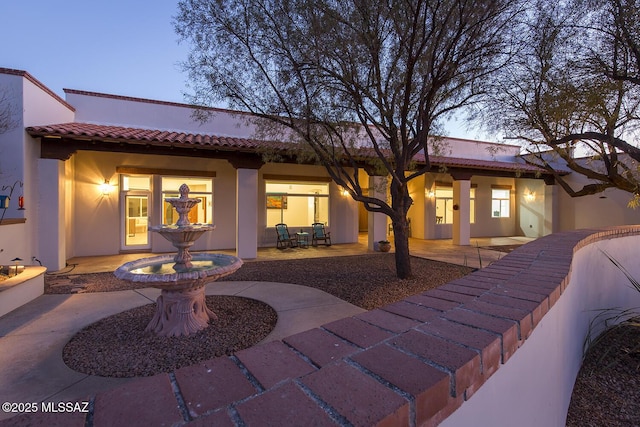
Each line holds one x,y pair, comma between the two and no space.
377,228
551,214
246,205
461,211
51,234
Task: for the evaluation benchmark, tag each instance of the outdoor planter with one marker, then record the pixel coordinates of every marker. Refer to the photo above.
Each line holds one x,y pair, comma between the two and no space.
384,246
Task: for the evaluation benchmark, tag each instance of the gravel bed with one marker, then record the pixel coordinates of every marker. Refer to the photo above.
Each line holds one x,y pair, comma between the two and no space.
368,281
117,346
607,390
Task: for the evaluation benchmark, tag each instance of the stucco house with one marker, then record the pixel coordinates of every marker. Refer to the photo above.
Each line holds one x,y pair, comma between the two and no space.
92,171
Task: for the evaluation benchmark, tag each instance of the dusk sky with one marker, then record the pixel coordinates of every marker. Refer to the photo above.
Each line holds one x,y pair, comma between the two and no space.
123,47
120,47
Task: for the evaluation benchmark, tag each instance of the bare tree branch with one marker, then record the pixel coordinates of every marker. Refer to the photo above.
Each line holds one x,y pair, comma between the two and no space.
573,87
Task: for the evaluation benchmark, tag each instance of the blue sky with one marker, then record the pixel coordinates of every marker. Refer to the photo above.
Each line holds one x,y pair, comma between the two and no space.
120,47
123,47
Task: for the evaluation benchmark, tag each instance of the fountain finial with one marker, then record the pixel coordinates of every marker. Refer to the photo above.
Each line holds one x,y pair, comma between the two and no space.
184,191
183,205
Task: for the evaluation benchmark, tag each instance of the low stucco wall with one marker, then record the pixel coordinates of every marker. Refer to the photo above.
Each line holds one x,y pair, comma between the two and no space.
13,241
535,386
19,290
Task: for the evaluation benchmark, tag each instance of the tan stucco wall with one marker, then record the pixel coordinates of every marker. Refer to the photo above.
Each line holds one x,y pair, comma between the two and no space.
343,211
97,228
530,212
599,210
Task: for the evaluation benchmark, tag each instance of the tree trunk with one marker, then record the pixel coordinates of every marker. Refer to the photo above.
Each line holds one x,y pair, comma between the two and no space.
401,201
401,241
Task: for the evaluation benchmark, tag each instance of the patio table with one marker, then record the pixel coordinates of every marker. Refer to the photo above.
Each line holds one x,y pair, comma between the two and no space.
302,239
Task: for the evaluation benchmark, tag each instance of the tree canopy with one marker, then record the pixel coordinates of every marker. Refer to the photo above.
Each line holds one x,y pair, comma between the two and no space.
572,92
340,75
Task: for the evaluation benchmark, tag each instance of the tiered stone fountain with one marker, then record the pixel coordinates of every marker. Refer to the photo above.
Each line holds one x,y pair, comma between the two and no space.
181,308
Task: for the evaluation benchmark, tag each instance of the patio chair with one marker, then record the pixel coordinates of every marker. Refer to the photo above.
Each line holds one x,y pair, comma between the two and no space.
319,233
284,238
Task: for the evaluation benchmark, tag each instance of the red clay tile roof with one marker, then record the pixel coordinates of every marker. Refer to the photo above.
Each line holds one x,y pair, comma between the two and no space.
459,162
153,136
165,138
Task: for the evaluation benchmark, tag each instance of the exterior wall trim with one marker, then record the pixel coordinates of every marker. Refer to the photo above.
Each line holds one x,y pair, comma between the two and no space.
36,82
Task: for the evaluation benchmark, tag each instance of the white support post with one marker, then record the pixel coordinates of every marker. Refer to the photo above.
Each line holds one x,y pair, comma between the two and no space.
377,229
51,240
461,215
551,221
246,213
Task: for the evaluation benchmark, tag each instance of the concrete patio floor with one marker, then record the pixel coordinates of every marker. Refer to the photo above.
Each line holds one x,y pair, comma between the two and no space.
440,250
32,337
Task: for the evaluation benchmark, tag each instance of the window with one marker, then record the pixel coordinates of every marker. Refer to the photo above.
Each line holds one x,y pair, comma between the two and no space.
136,182
297,204
444,204
136,190
472,205
500,202
199,188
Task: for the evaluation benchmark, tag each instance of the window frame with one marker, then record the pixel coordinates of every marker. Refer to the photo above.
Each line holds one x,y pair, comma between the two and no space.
503,203
205,206
286,199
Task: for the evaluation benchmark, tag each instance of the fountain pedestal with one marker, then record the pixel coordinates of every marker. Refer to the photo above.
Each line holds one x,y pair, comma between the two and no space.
181,312
181,308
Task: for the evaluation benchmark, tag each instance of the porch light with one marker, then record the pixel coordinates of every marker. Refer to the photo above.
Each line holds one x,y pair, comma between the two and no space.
105,188
430,193
530,196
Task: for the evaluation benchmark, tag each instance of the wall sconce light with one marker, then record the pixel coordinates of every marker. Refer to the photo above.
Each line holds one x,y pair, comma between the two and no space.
105,188
344,192
430,194
530,196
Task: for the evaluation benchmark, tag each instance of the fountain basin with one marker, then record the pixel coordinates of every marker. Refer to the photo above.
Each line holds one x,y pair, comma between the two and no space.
190,228
181,308
182,237
158,271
